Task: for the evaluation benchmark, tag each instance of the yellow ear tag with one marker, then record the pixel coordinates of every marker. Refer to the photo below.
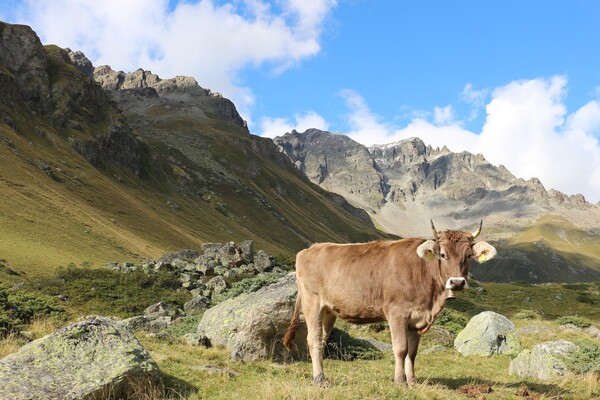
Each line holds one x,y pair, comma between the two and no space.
482,257
429,254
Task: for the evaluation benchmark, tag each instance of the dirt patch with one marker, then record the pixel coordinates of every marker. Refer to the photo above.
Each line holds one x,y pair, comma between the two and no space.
475,390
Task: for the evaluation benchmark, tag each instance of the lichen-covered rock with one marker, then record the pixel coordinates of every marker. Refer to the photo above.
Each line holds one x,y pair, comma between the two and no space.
263,262
162,309
486,334
96,358
251,325
196,304
545,361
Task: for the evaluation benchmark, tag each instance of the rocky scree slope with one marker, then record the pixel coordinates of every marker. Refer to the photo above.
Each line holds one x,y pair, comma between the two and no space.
545,235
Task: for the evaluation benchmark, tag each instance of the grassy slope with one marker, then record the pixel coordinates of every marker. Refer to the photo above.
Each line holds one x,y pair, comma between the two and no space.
550,249
84,214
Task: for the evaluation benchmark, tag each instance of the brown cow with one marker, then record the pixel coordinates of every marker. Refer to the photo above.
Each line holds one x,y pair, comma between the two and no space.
405,282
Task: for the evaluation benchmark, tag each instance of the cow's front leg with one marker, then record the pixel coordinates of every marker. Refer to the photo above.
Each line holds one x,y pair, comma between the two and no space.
398,329
409,362
314,325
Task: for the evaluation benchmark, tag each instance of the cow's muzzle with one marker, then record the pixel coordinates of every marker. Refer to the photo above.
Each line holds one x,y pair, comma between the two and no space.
457,284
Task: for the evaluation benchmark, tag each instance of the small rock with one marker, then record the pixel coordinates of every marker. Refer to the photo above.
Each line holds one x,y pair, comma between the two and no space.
545,361
197,304
194,339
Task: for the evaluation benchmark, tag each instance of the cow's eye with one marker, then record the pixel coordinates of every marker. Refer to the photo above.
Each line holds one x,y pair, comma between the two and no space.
443,255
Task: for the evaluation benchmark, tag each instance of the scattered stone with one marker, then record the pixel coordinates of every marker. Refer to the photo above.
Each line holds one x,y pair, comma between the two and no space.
486,334
196,304
216,285
593,332
545,361
161,309
97,358
263,262
148,323
186,254
193,339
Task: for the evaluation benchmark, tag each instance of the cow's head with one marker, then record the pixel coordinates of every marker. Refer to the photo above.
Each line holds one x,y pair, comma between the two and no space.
453,249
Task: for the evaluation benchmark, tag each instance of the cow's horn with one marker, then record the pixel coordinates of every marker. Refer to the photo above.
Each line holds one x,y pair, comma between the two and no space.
478,231
435,232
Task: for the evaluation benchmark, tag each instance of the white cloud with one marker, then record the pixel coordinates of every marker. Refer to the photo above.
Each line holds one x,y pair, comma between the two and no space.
443,115
527,128
272,127
208,40
365,126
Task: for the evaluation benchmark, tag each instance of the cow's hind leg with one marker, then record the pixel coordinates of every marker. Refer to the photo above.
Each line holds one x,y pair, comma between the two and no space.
398,330
314,324
413,338
328,322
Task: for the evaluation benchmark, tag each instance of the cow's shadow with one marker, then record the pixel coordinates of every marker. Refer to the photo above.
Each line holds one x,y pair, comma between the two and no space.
177,388
456,383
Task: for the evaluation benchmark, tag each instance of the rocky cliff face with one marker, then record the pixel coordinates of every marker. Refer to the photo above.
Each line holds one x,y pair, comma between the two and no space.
177,88
408,176
338,164
44,79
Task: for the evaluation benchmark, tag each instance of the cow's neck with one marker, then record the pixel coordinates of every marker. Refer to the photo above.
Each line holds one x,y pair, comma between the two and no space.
438,301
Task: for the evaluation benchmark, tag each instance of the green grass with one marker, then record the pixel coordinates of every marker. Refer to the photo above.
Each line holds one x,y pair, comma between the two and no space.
441,375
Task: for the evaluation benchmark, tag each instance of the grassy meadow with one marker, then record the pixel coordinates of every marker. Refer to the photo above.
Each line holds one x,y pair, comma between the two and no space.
191,372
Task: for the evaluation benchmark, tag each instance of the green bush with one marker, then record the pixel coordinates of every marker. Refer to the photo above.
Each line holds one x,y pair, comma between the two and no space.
451,321
20,307
105,292
249,285
526,314
586,359
574,320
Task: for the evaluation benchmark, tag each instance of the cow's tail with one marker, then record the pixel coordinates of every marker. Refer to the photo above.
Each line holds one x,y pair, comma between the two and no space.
290,334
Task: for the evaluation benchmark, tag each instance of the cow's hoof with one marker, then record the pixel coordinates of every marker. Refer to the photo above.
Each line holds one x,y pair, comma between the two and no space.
401,382
320,381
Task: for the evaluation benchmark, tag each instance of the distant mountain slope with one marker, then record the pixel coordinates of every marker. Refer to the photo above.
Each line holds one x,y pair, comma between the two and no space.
93,174
403,185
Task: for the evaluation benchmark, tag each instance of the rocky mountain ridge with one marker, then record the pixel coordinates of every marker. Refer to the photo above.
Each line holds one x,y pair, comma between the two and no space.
409,176
544,235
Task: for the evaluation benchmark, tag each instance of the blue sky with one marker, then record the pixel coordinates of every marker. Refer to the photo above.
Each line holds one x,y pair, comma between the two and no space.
517,81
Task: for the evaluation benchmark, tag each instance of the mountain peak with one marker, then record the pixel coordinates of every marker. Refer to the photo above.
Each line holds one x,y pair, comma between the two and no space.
406,181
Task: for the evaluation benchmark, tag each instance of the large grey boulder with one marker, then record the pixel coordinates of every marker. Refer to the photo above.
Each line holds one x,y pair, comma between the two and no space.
251,325
545,361
486,334
96,358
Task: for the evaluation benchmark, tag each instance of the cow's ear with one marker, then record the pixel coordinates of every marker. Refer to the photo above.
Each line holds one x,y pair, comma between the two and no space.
483,251
428,250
